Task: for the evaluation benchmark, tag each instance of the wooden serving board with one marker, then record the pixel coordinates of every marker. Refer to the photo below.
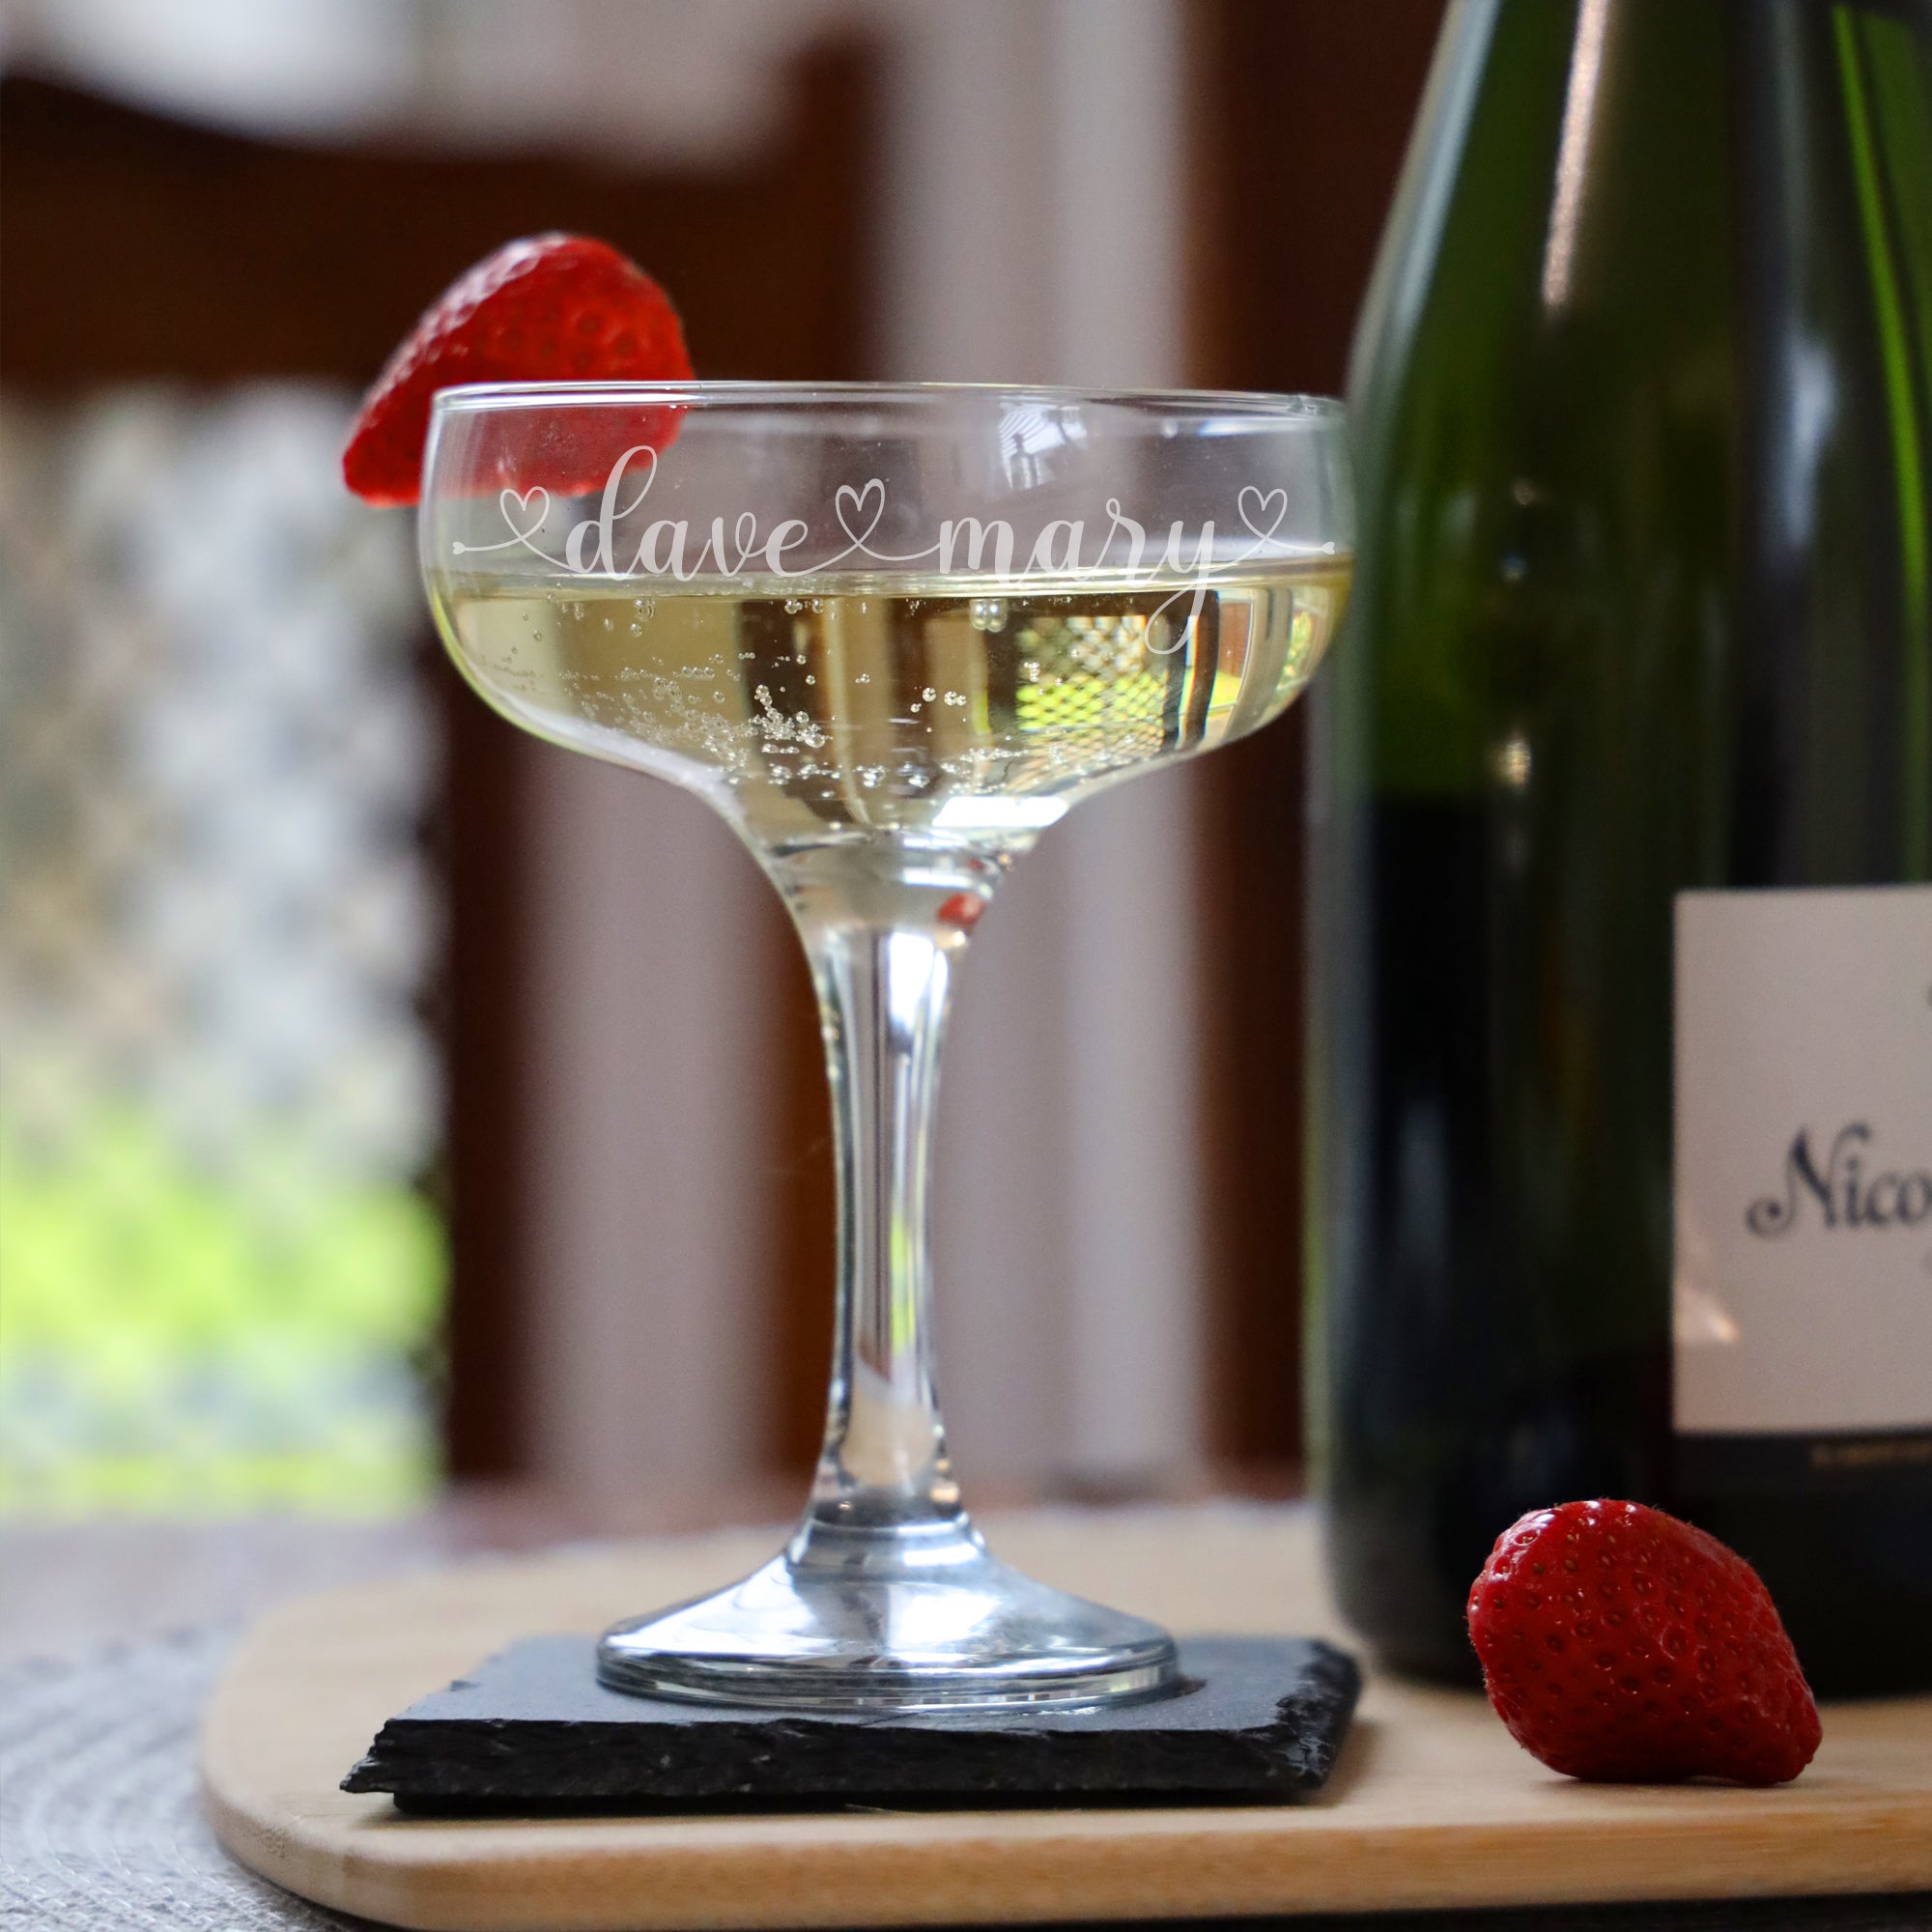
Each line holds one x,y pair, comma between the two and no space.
1431,1804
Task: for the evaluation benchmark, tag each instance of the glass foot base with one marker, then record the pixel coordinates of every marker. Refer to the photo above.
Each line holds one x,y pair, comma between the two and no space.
890,1619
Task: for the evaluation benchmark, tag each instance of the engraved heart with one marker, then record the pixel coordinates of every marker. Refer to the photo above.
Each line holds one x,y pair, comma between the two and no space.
511,504
1253,506
849,504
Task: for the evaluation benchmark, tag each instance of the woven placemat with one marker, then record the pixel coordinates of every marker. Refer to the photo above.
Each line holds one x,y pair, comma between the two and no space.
101,1822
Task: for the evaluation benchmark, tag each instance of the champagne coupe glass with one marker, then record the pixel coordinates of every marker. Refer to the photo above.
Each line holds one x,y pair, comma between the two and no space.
891,633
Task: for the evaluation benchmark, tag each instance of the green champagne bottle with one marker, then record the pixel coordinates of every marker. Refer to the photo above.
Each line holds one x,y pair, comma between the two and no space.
1620,1149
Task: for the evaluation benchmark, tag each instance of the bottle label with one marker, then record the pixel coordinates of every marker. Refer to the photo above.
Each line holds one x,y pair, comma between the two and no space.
1802,1285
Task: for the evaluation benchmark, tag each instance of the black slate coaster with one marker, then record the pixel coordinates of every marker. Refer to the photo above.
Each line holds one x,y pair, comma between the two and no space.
1261,1720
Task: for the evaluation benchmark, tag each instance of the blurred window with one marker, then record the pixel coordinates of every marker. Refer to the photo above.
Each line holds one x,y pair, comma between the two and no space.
220,1275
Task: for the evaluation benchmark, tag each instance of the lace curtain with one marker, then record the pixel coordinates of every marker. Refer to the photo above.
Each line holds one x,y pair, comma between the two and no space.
221,1275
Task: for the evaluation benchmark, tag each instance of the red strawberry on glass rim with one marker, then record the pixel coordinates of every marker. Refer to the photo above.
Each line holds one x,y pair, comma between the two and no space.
1619,1643
549,308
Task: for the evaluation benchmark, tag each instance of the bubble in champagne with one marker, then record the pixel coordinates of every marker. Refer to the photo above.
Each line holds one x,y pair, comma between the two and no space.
987,613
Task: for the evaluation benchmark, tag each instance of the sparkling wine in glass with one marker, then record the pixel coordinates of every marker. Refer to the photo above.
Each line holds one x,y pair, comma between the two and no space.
892,635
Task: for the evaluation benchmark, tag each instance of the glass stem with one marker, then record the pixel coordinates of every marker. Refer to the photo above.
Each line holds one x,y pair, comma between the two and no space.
884,985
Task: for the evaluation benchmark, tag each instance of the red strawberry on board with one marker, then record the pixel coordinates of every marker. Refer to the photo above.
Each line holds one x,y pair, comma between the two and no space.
1619,1643
549,308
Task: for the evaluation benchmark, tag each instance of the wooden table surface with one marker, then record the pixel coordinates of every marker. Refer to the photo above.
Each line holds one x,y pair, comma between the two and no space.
68,1588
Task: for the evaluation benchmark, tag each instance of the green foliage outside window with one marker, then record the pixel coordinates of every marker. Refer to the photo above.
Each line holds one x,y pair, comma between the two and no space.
209,1339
